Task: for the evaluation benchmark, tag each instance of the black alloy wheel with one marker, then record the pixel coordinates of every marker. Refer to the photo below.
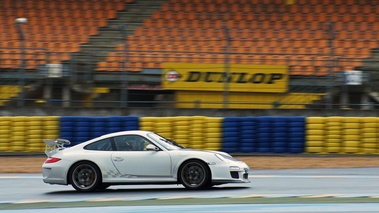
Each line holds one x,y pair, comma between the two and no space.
85,177
195,174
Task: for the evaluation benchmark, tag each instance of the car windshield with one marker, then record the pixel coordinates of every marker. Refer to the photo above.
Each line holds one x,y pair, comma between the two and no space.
168,144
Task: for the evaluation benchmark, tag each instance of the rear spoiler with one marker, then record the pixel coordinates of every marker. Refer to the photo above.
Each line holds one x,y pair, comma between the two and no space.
54,146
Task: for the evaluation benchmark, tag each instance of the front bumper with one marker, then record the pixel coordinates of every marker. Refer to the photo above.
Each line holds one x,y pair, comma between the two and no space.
236,172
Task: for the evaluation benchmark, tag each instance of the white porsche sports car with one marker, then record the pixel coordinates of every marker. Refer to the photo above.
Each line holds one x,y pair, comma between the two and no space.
137,157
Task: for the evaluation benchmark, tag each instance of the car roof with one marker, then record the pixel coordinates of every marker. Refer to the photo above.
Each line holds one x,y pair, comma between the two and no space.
128,132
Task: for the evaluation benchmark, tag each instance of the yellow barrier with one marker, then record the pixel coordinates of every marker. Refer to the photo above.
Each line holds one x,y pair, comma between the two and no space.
213,134
197,132
315,135
25,133
337,134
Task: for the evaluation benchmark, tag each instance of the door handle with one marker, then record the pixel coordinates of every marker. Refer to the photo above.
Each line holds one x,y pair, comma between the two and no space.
118,159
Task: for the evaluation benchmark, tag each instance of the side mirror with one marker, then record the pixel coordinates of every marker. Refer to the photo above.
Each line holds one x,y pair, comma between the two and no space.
151,147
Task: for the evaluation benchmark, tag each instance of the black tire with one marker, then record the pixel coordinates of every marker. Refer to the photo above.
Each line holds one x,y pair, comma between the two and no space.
85,177
195,174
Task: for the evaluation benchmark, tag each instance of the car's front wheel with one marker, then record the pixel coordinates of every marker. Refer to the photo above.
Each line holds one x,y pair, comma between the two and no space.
85,177
195,174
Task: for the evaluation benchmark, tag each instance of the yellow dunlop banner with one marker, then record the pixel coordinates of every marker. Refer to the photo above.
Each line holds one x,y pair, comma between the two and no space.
211,77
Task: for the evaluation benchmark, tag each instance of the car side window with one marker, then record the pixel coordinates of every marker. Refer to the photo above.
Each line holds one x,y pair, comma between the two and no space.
101,145
131,143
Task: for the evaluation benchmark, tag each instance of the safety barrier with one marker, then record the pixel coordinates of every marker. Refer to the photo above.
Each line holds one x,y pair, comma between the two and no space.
25,133
78,129
260,134
264,134
343,135
198,132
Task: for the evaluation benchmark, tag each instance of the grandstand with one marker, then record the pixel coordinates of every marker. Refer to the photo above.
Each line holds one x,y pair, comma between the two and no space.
109,49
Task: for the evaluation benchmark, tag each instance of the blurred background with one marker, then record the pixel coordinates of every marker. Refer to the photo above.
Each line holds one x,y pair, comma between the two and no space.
186,54
288,70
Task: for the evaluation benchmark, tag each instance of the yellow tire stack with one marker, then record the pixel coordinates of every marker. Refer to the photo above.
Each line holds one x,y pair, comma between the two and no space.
35,134
197,126
181,130
369,135
18,134
333,141
50,126
213,134
315,138
351,134
148,123
5,134
164,127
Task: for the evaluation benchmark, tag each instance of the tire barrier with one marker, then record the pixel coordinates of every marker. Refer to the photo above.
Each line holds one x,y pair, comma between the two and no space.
351,137
264,134
25,133
342,135
369,133
334,134
181,130
78,129
296,134
213,133
260,134
196,132
230,134
248,135
5,134
316,130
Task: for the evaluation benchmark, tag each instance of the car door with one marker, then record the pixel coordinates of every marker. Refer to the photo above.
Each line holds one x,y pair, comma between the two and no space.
140,163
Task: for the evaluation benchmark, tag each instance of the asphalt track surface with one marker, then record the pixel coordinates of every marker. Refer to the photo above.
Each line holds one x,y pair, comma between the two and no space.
294,190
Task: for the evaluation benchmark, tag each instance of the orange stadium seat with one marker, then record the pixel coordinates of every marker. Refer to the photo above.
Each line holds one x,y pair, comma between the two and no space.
266,32
57,26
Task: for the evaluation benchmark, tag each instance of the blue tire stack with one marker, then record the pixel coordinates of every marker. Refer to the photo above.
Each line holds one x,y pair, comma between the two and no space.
296,134
230,134
279,134
248,137
82,129
67,128
131,123
264,130
122,123
98,126
76,129
114,124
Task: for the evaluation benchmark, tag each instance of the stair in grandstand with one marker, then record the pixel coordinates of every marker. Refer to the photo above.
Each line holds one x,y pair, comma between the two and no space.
113,34
302,93
10,94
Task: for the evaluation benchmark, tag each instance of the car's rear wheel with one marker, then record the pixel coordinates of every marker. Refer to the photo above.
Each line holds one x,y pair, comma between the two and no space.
85,177
195,174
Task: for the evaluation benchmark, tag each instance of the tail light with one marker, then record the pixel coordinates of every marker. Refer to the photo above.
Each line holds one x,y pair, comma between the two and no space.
52,160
